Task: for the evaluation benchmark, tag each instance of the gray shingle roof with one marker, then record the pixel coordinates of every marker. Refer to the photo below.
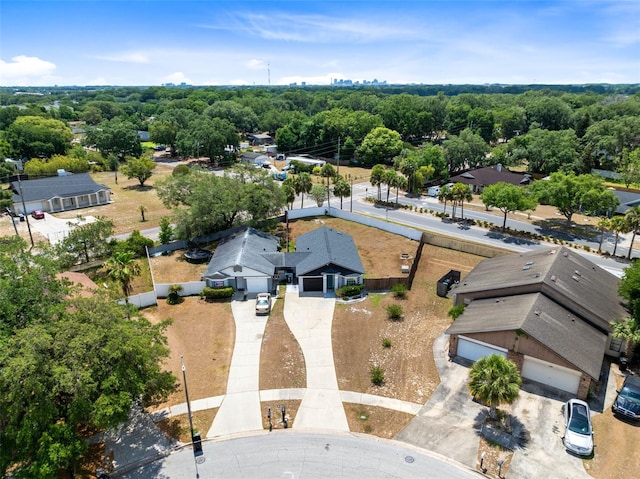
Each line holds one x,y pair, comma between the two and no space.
490,175
56,186
329,247
542,319
244,248
560,273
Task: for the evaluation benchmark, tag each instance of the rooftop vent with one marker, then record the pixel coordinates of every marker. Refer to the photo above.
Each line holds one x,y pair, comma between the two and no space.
553,278
529,263
536,312
577,273
526,266
575,278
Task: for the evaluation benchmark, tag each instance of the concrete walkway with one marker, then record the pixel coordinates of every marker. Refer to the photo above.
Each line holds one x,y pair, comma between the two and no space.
240,408
309,319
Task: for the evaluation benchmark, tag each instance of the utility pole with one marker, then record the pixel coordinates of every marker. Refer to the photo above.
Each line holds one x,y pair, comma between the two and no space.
268,74
338,155
196,441
24,210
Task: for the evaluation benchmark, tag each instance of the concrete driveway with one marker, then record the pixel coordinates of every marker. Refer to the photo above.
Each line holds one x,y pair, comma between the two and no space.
450,423
56,229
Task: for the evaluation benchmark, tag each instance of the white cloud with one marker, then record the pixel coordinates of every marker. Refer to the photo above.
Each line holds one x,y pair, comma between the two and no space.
176,78
128,57
255,64
24,70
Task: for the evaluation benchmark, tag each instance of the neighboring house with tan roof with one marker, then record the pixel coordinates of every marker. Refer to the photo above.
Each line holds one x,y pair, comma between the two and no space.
480,178
550,311
87,287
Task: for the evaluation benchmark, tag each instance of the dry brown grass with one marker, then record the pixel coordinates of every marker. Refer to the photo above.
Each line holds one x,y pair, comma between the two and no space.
378,421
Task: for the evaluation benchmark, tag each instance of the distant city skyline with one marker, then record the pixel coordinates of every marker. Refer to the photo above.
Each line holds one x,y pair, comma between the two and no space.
216,42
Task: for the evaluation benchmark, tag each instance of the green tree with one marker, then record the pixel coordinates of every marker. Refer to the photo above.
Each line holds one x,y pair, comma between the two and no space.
629,289
85,242
629,330
571,193
115,137
494,380
377,178
209,137
139,168
604,224
166,231
632,218
341,188
445,194
507,198
400,183
618,225
379,146
319,193
328,171
461,193
629,167
123,267
467,150
35,136
389,179
303,184
70,365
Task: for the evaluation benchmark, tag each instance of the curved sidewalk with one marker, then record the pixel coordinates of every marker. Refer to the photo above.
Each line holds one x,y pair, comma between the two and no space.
309,319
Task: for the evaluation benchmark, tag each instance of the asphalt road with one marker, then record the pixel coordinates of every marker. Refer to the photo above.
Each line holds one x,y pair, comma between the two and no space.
287,454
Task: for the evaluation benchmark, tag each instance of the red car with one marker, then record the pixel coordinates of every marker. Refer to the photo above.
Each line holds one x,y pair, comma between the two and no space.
38,214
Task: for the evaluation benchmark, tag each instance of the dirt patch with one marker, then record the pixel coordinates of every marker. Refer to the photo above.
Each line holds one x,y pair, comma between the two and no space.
615,445
204,334
379,251
378,421
282,364
177,427
290,411
359,329
493,459
174,268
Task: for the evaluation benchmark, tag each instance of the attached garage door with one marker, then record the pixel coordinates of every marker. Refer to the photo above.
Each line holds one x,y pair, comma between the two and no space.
551,374
474,350
312,284
258,285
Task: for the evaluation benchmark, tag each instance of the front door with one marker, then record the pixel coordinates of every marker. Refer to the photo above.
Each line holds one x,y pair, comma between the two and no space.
329,281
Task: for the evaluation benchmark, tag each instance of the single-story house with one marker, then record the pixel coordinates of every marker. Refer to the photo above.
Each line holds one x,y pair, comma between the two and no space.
550,311
479,178
251,261
259,138
628,199
253,158
59,193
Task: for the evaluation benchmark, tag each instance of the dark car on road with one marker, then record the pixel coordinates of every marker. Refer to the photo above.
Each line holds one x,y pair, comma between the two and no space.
627,403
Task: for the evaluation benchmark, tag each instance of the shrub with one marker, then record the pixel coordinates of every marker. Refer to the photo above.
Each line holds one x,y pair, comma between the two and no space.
350,291
136,243
399,290
455,311
174,294
377,375
386,343
181,170
394,311
211,294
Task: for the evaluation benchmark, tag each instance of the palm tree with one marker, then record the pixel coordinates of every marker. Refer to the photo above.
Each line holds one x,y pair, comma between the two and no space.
122,267
629,330
389,179
376,178
341,188
303,184
400,183
632,218
604,224
462,193
494,380
445,194
617,225
142,209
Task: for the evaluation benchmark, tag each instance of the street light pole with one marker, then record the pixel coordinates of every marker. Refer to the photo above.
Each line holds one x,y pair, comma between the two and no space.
186,392
351,195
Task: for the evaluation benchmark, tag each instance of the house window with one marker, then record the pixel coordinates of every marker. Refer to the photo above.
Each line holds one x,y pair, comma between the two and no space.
616,344
352,281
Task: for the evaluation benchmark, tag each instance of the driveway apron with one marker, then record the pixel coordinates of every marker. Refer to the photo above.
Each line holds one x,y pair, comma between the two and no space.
309,319
240,408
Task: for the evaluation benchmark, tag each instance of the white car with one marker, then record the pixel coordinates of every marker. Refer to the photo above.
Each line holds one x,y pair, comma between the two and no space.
263,303
578,434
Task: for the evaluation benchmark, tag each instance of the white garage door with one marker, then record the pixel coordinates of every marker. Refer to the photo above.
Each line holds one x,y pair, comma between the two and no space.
473,350
551,374
257,285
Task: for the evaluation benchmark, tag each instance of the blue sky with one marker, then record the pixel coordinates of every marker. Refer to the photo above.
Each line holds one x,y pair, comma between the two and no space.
212,42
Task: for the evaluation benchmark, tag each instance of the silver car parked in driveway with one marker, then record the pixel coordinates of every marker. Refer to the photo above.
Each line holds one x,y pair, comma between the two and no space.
578,434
